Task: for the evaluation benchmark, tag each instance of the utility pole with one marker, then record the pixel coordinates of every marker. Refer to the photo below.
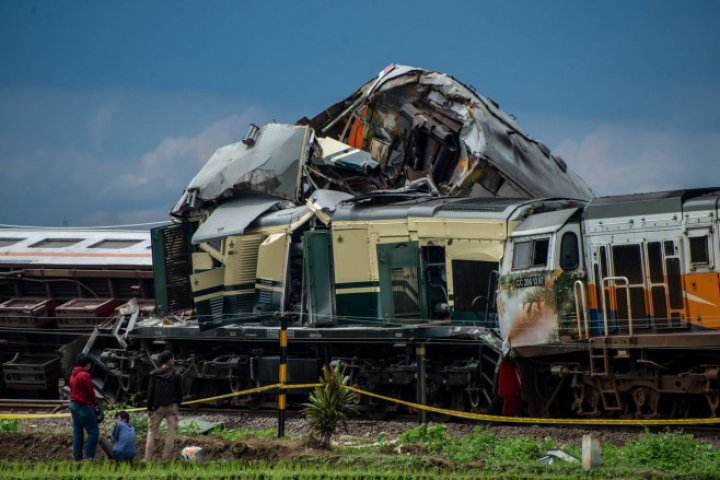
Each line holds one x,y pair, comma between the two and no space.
421,381
282,376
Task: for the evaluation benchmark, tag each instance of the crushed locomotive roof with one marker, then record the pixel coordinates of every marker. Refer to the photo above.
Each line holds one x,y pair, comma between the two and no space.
408,125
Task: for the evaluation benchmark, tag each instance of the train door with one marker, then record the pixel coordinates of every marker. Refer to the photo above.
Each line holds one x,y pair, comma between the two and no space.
319,278
568,261
434,271
702,285
666,303
271,274
401,298
620,286
638,285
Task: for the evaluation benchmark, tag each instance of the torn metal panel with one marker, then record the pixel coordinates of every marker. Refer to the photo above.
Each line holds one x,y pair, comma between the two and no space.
324,202
232,218
291,218
422,124
345,157
272,164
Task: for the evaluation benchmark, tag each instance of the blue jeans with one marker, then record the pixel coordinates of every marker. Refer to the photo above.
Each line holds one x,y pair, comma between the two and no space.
84,419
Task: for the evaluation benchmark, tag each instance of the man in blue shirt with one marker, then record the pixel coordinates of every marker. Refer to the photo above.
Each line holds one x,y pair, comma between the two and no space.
122,441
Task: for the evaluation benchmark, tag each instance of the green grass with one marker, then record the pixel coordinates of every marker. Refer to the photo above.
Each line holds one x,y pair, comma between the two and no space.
236,433
424,452
210,470
9,425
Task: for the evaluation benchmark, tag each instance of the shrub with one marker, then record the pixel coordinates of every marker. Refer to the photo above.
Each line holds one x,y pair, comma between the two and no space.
671,451
433,438
7,425
329,404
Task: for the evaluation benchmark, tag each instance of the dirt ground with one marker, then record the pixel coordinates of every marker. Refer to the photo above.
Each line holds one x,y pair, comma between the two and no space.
51,439
54,446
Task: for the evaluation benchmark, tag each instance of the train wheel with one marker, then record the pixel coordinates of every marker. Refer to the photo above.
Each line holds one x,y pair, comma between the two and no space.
374,409
376,412
646,402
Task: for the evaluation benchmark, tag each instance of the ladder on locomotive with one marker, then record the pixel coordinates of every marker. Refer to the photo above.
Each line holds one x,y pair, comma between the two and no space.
598,349
602,373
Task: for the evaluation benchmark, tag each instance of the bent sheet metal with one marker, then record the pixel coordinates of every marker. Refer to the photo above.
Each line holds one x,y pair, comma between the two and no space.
407,124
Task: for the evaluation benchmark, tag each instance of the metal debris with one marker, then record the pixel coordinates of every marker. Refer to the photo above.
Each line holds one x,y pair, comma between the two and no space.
405,126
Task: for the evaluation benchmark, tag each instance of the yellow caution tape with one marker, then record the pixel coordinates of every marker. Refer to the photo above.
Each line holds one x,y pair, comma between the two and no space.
233,394
444,411
20,416
300,385
526,420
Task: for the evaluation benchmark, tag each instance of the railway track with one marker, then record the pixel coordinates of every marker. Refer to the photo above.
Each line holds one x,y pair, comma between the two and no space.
32,406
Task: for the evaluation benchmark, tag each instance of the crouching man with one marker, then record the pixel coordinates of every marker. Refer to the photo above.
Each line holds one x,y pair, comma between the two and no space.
121,445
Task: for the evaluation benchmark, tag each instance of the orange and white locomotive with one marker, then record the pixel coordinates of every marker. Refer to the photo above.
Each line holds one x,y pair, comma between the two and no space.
614,307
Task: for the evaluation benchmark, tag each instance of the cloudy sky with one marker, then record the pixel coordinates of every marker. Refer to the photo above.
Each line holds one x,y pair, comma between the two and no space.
108,108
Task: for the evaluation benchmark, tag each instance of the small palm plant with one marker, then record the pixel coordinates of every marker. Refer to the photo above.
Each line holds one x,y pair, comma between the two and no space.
329,405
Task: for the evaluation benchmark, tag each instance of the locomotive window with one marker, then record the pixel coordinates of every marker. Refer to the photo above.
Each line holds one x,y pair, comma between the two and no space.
699,252
569,255
530,254
521,255
603,262
540,252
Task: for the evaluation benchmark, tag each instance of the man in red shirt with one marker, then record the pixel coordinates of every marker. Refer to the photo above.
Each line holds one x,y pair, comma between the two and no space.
82,409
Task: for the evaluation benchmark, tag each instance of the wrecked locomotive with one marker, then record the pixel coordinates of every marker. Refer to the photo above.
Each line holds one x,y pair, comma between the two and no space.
350,226
414,230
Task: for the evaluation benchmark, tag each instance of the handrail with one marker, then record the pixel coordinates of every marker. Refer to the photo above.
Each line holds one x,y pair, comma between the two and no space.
580,286
490,290
605,310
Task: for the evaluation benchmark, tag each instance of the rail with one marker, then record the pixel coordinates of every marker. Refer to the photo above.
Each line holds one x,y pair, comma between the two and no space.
579,286
604,302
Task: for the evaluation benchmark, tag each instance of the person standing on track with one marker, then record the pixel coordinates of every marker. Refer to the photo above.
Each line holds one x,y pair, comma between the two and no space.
82,409
164,398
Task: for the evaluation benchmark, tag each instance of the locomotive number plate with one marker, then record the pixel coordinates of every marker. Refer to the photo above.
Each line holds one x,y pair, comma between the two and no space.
532,281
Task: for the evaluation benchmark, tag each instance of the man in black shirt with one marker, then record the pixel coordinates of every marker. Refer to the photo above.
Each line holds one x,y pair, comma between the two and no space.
164,398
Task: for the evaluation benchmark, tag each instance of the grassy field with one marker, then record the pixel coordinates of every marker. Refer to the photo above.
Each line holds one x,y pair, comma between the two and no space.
420,453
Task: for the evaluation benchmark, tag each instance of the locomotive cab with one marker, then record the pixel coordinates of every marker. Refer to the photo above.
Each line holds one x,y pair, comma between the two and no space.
535,294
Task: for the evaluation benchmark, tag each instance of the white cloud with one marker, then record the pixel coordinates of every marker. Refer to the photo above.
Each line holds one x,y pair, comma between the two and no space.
100,122
620,159
175,160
